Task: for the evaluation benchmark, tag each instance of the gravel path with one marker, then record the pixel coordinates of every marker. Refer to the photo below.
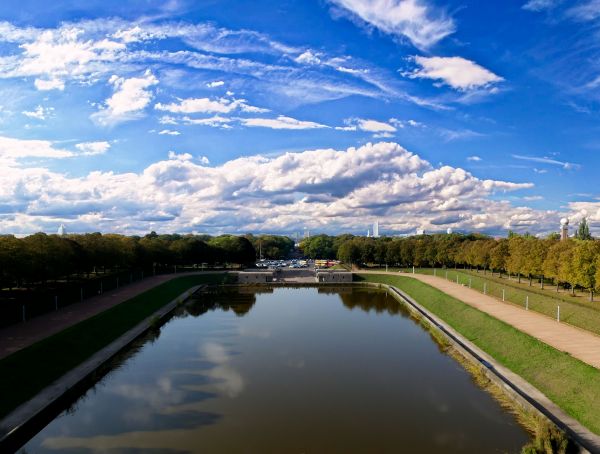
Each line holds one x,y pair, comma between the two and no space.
579,343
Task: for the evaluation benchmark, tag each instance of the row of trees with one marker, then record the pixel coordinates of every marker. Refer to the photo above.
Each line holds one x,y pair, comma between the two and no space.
38,258
571,263
271,246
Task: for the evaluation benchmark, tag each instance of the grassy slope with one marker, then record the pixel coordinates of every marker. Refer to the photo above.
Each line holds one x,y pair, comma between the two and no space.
576,311
570,383
26,372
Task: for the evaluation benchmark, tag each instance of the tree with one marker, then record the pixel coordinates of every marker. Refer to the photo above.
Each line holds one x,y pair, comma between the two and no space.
584,265
499,255
349,252
583,231
552,263
566,273
516,255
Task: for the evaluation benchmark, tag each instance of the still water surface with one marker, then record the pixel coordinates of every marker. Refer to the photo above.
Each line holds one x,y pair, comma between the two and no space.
285,370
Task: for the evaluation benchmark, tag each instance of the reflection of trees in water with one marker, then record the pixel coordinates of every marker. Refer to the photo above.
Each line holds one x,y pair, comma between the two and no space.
224,299
369,300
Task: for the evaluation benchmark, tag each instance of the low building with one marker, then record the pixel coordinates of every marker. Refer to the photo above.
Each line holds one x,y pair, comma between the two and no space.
255,277
334,276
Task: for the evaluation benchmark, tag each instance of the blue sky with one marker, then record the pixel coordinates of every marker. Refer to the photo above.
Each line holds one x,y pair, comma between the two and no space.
264,116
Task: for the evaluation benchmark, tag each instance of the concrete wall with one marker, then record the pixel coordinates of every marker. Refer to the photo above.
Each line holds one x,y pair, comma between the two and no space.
255,277
334,276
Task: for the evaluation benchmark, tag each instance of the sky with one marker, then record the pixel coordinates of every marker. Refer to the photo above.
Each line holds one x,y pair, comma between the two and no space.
228,116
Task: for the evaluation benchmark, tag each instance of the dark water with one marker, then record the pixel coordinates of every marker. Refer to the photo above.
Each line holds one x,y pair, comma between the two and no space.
291,370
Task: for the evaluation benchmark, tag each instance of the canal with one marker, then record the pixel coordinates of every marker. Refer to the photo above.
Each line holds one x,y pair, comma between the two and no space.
298,370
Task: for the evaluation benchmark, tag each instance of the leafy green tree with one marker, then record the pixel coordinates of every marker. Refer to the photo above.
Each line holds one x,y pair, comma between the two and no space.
583,231
584,258
499,255
552,263
349,252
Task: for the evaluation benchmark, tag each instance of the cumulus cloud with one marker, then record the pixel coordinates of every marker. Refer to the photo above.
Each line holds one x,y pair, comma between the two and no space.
474,158
130,98
281,122
326,189
93,148
415,20
308,58
457,72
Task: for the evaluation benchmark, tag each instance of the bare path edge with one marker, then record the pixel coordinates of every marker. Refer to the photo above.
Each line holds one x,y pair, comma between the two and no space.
16,424
521,391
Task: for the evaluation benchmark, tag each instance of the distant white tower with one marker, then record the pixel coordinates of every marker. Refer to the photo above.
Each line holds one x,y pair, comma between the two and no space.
449,231
564,229
368,233
376,229
62,230
420,232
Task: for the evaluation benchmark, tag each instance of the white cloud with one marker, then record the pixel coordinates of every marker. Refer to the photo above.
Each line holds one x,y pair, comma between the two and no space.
168,132
52,84
474,158
207,105
281,122
458,134
39,113
402,124
541,5
56,55
412,19
326,189
215,84
586,11
308,58
180,157
361,124
130,98
12,150
215,121
93,148
457,72
547,160
89,51
167,120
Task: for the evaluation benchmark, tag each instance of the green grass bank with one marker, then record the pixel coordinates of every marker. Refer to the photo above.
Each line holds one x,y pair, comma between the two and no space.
26,372
570,383
574,310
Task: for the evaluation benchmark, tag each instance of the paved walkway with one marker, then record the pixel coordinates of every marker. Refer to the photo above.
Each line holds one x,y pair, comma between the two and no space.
16,337
580,344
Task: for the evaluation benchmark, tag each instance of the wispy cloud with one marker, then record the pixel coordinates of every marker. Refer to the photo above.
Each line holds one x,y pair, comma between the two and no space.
415,20
541,5
281,122
546,160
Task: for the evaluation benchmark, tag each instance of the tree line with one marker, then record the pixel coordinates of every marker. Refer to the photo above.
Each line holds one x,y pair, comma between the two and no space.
39,258
571,263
